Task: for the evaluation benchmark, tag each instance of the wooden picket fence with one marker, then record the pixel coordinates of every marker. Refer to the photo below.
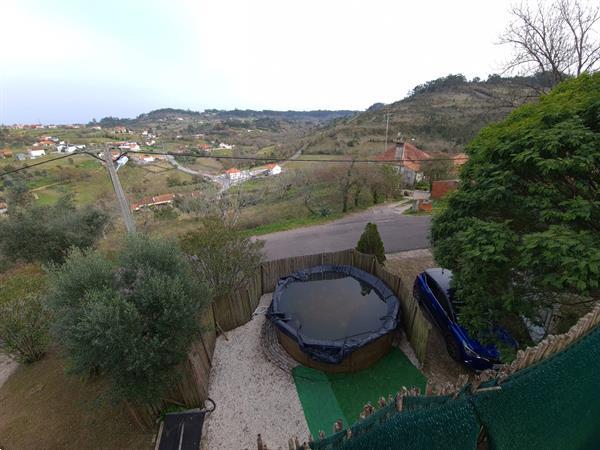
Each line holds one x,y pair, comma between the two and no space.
190,387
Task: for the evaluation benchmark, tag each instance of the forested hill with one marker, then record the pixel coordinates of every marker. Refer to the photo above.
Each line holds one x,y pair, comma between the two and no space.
169,114
441,115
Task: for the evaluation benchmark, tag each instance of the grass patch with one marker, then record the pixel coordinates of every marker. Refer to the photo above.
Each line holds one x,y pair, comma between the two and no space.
42,407
289,224
21,281
327,397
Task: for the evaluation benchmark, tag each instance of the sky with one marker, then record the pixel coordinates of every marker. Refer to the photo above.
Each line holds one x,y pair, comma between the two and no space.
68,61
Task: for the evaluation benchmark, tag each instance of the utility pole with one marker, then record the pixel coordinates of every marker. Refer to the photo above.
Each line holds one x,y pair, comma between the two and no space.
123,203
387,126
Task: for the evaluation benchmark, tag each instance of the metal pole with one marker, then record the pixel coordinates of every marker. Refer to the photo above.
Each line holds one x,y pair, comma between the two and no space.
123,203
387,126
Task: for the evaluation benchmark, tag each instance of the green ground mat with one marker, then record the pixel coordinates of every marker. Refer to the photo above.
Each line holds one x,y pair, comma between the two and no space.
326,398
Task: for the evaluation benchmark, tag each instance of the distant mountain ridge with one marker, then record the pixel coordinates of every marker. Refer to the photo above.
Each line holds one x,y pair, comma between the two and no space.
316,116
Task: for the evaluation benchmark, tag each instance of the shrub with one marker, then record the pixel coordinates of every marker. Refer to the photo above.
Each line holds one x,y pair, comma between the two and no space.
24,326
224,258
370,243
132,319
47,233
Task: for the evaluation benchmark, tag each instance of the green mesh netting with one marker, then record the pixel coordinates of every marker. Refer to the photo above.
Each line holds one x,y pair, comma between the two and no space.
552,405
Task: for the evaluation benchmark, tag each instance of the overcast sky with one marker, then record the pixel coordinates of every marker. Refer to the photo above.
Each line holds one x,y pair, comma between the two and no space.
70,61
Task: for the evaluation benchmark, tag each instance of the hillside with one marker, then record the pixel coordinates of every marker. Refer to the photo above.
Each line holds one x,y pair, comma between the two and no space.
440,115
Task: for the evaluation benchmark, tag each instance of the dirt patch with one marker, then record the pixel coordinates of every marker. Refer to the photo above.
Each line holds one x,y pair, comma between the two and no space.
42,407
438,366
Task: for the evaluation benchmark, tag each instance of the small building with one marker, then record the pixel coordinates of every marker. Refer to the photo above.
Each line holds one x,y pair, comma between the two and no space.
440,188
3,208
157,200
234,174
21,156
5,154
226,146
35,153
409,159
273,169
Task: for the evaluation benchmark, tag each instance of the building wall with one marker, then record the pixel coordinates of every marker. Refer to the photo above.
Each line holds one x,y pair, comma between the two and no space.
440,188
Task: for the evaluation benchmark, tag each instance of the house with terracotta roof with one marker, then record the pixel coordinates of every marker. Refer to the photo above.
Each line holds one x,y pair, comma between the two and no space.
273,169
408,159
3,208
233,174
157,200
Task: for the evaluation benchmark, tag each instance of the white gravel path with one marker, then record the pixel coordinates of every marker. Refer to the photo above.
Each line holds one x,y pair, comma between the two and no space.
7,367
251,393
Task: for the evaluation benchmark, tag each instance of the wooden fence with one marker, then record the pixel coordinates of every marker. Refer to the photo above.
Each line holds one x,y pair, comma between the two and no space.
190,387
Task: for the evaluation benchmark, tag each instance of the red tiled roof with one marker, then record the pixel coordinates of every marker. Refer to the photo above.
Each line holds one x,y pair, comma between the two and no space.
3,206
388,155
413,156
232,170
153,201
271,166
460,159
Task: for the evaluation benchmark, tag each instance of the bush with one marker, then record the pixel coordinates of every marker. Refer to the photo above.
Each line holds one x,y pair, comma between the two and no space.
47,233
224,258
370,243
133,319
24,326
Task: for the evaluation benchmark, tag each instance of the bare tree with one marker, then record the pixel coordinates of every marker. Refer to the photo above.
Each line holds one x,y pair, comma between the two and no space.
559,38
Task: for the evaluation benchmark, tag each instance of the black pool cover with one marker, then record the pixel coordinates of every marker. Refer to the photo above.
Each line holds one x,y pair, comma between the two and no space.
332,311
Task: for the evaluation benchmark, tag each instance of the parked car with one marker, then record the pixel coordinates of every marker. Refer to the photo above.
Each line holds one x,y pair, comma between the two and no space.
432,291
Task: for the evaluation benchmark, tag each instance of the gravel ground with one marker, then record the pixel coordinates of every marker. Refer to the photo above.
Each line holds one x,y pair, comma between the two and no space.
252,394
7,367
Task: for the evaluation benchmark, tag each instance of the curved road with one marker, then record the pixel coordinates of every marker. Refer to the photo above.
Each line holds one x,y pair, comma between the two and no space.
398,231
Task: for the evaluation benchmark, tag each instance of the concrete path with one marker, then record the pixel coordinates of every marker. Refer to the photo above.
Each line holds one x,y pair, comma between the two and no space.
398,231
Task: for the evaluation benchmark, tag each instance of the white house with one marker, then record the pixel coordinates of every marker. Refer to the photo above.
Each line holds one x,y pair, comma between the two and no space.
226,146
122,161
234,174
33,154
274,169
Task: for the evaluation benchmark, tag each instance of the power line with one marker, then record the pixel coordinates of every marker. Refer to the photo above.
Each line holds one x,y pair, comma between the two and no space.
243,158
253,158
37,164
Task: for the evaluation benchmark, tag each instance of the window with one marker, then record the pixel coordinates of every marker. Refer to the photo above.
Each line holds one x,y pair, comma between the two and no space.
439,294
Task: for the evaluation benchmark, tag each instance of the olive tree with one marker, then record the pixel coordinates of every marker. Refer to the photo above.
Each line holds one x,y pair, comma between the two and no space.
131,319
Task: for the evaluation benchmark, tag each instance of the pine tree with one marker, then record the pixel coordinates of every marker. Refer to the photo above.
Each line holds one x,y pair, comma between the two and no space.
370,243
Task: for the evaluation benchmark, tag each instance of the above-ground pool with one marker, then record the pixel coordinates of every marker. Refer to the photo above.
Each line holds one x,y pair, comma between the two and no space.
334,318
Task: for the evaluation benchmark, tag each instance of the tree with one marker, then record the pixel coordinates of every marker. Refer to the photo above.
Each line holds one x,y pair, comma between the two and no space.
132,319
436,169
523,229
560,38
370,243
47,233
224,258
345,179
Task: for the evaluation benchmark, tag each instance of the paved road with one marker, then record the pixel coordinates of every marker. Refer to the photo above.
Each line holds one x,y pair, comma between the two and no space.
398,231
